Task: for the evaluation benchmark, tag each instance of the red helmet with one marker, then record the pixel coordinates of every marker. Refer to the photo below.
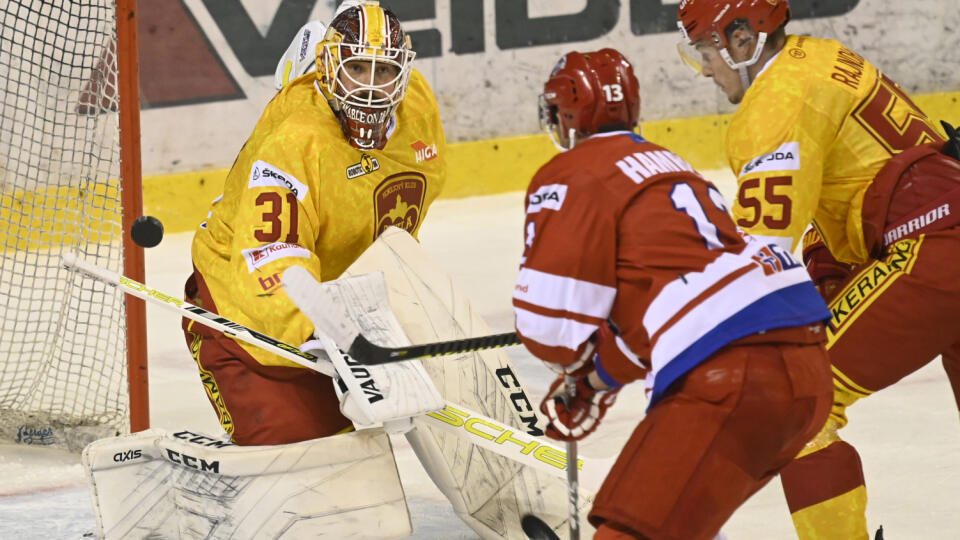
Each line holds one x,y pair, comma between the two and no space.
589,93
709,19
370,34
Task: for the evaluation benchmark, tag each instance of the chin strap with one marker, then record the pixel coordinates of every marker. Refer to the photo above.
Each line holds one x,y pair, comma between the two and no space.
571,138
741,67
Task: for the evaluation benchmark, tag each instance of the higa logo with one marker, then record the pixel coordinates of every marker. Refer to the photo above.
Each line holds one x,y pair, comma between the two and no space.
424,151
785,158
367,165
547,197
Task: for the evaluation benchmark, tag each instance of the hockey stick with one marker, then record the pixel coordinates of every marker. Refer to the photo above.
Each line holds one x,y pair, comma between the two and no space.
573,480
480,430
534,527
365,352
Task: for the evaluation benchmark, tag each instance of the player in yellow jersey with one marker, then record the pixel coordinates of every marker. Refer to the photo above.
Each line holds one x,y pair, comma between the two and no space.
339,154
822,137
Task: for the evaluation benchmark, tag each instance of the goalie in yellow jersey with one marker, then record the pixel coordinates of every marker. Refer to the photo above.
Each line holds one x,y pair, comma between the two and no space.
822,137
342,152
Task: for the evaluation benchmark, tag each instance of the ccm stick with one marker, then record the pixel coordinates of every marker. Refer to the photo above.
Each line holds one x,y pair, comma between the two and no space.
480,430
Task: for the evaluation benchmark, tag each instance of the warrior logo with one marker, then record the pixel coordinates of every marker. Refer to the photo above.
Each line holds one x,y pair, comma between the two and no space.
398,201
367,165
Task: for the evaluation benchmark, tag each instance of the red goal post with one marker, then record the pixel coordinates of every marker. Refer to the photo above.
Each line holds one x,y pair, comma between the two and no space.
72,352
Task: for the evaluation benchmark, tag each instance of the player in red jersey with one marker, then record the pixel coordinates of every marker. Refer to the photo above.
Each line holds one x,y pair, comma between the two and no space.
634,269
822,137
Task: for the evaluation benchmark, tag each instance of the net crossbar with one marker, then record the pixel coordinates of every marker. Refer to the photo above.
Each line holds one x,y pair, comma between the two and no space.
63,346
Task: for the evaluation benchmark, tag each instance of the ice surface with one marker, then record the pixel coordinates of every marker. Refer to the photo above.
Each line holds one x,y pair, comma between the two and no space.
908,434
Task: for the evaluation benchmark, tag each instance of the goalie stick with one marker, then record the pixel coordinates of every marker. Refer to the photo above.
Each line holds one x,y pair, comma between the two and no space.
534,452
362,350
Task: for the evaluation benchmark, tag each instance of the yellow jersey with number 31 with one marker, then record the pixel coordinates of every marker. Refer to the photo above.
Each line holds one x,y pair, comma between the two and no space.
299,194
811,133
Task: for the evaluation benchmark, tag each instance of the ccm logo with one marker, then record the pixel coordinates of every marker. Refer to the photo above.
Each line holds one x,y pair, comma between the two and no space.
519,399
199,464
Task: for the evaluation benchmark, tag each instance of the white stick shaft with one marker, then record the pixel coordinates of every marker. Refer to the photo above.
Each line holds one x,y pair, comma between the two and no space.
196,313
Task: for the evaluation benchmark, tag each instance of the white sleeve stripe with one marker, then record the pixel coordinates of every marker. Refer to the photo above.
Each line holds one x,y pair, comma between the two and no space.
563,293
553,331
678,293
719,307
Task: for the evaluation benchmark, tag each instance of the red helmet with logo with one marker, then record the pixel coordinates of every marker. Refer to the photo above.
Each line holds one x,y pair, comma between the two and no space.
590,92
709,19
364,101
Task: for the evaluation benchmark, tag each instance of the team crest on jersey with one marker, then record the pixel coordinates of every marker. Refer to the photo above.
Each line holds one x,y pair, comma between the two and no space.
424,151
367,165
547,198
398,202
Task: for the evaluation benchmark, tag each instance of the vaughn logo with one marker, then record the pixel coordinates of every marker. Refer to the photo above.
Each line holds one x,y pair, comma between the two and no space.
547,197
367,165
785,158
424,151
264,174
260,256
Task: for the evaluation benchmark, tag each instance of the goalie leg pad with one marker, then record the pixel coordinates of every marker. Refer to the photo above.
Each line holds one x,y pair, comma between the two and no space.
490,493
185,485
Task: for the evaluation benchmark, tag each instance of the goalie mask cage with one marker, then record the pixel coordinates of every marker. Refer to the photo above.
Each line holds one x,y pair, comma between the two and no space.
72,351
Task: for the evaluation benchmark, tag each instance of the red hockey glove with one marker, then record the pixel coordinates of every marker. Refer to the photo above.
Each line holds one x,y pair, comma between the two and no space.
579,417
826,272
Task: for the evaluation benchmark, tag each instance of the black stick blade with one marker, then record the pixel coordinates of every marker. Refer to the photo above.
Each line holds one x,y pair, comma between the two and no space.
536,529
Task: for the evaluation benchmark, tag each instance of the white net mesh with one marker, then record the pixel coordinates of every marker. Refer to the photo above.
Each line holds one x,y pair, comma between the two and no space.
62,340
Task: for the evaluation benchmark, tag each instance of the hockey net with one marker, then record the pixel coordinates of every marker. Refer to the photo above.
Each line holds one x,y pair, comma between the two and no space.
64,339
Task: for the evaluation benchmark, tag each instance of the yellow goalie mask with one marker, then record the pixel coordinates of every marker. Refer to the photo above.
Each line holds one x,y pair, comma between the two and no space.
363,67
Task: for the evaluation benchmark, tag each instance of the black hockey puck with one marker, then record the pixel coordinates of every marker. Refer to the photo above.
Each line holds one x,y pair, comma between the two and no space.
147,231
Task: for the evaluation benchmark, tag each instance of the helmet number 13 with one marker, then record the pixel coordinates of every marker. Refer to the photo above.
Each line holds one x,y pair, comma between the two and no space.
612,92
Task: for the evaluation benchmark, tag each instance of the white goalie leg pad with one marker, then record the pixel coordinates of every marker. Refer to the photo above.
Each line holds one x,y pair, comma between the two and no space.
186,485
339,310
489,492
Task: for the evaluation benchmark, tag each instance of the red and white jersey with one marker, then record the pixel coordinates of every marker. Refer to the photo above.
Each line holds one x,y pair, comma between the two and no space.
624,230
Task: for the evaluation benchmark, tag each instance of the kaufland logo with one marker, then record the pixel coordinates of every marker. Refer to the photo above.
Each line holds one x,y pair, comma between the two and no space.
424,151
260,256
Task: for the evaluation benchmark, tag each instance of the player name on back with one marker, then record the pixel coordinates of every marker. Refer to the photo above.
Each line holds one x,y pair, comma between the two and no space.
640,166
